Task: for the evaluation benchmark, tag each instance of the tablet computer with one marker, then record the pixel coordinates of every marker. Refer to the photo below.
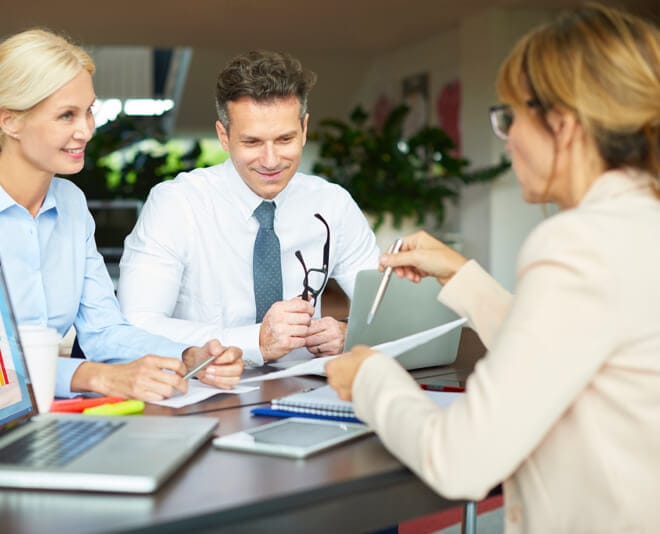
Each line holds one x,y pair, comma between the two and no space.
294,437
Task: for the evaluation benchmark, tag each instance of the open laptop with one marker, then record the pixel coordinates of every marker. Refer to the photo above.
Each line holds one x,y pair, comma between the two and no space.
134,454
407,308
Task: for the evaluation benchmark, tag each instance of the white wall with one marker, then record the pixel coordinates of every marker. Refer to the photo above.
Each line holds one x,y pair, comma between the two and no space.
436,55
339,77
485,42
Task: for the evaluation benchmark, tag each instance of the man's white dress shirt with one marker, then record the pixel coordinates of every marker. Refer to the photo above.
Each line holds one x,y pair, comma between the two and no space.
186,271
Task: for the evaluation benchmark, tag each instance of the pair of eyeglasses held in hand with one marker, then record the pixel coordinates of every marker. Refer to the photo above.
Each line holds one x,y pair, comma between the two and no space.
316,279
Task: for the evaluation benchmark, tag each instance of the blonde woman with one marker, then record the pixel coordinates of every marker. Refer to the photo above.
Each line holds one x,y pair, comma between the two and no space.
56,277
565,407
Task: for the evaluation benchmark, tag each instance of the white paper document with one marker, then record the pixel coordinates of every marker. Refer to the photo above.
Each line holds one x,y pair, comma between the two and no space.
198,391
392,348
309,367
399,346
443,398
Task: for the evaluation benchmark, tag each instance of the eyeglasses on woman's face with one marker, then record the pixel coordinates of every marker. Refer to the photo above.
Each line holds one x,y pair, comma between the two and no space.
502,116
316,279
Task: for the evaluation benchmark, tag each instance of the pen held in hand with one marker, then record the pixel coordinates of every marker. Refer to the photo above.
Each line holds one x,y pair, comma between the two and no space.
394,248
200,367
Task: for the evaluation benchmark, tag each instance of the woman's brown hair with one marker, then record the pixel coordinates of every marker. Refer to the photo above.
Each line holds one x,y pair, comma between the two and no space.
604,65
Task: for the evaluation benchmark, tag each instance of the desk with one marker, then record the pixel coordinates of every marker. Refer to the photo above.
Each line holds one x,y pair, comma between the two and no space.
353,488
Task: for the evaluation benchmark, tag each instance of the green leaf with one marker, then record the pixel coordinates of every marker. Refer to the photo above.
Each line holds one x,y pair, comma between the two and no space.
387,173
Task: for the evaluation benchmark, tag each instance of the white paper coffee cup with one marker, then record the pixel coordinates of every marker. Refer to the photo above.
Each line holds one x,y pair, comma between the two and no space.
41,348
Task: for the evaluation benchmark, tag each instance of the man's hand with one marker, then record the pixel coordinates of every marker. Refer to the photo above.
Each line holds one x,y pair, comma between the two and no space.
225,372
325,337
150,378
341,371
285,327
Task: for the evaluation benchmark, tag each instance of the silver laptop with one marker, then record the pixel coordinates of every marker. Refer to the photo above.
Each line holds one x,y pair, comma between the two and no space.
406,308
134,454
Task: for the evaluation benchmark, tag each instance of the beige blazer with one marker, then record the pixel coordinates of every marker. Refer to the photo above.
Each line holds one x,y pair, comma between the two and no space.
565,407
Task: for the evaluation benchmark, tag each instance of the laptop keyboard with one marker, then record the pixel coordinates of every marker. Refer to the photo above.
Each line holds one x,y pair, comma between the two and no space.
57,442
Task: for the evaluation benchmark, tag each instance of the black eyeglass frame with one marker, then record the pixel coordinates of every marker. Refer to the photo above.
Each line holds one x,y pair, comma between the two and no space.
307,289
494,112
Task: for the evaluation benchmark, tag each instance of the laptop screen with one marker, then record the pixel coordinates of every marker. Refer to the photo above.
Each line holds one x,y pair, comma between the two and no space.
407,308
15,399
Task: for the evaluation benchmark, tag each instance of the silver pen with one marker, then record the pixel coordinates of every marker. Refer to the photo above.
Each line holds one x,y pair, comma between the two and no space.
197,369
394,248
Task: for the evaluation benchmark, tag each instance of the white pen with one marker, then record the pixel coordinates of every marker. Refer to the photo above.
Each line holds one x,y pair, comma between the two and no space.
394,248
197,369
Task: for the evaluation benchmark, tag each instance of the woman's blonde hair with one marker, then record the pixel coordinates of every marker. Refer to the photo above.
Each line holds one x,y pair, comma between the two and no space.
604,65
33,65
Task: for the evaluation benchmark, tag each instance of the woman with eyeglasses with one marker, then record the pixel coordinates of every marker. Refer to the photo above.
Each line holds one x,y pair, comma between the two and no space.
54,273
565,407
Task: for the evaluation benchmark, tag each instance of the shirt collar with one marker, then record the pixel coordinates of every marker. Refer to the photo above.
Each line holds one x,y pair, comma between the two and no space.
49,203
5,200
248,199
617,183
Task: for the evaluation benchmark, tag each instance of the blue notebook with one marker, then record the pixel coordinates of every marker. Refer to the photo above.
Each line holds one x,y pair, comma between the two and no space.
323,403
270,412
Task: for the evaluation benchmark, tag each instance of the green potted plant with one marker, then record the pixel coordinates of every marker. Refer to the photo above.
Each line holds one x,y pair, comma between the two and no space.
126,157
387,173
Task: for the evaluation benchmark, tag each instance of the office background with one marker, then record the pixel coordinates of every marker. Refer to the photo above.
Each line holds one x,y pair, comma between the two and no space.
365,52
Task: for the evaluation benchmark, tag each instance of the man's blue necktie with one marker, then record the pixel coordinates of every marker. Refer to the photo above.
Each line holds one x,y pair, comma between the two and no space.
266,261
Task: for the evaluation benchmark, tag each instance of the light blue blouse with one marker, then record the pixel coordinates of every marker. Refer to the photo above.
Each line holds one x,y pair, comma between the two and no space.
57,278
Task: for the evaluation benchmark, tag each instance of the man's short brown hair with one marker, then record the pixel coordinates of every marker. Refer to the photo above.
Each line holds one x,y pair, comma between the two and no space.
263,76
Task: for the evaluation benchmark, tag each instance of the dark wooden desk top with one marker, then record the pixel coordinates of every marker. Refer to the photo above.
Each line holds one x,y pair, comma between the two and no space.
357,487
242,493
469,351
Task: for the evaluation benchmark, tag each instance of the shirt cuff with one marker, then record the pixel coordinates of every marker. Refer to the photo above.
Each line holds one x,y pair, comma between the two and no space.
247,339
378,374
179,348
453,293
66,367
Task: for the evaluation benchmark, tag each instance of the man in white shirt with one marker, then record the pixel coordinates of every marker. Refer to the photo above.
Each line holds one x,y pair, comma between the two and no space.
199,264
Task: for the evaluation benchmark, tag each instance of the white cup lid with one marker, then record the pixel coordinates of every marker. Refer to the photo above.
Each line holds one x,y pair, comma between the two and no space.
36,334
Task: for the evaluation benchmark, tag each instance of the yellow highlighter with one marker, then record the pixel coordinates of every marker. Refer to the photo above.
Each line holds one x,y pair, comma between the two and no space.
128,407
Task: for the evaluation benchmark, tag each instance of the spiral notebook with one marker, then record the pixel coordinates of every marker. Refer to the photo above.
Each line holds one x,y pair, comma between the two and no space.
324,403
319,401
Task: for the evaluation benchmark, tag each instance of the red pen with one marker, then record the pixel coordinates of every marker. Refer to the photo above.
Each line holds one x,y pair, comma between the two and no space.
80,404
440,387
